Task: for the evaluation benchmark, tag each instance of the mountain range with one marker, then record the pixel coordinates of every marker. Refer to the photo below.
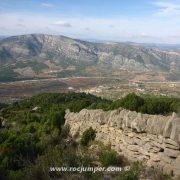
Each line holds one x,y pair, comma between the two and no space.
45,56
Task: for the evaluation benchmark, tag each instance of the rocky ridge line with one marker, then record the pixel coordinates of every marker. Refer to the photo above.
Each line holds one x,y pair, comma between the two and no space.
153,139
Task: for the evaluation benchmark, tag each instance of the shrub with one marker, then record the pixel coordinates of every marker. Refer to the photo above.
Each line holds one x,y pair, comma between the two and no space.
14,175
132,174
88,135
108,157
146,104
132,102
155,174
65,131
57,119
104,106
28,135
3,106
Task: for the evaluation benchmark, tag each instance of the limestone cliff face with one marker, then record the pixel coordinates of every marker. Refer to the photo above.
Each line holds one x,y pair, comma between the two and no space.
64,52
150,138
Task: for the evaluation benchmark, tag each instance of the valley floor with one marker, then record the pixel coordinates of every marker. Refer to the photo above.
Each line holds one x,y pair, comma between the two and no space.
108,87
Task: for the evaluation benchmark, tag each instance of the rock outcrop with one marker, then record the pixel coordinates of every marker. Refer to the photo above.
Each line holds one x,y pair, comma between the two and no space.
23,54
153,139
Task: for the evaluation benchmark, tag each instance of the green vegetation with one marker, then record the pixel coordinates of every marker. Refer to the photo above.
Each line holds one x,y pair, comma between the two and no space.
62,155
34,64
2,105
131,102
132,174
88,136
108,158
33,136
34,127
7,74
148,105
138,169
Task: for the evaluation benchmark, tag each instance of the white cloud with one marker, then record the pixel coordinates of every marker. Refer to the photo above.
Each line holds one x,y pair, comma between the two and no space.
21,25
87,29
47,5
111,26
143,29
143,37
167,8
143,34
62,23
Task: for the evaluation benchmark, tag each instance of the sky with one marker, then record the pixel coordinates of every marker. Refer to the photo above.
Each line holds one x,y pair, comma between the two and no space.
145,21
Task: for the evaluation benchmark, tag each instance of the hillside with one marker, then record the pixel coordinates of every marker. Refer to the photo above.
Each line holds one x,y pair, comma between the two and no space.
151,139
34,136
44,56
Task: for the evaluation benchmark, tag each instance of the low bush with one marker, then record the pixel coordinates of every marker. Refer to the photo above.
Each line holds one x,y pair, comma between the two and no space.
148,105
108,158
87,136
131,102
132,174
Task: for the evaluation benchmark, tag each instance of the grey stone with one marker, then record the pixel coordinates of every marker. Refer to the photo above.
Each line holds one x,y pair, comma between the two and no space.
170,141
139,124
171,152
133,148
175,130
147,142
177,166
165,158
168,128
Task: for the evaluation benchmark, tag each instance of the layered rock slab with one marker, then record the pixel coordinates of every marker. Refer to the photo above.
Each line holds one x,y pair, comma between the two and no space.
153,139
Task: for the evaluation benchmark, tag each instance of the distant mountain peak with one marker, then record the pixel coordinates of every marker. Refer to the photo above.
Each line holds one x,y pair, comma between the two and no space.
54,55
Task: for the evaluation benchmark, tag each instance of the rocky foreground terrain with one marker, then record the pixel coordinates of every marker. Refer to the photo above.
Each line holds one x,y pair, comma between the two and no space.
38,55
153,139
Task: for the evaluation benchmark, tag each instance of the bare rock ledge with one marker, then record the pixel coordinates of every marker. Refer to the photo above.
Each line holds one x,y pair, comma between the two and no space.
154,139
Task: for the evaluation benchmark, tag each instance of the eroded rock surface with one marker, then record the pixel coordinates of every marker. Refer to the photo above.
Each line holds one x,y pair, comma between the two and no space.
154,139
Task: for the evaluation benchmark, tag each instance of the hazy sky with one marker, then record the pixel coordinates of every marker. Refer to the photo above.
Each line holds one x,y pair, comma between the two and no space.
117,20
